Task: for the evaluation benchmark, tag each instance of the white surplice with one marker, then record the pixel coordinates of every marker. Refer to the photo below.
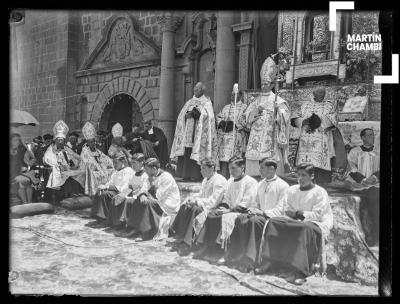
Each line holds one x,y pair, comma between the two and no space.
121,180
366,163
270,194
167,192
212,191
314,203
168,198
238,193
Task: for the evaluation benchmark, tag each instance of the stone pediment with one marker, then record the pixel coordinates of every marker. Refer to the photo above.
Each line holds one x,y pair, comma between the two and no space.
122,44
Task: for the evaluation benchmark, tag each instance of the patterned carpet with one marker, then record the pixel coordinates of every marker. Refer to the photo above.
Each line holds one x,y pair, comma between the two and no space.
70,258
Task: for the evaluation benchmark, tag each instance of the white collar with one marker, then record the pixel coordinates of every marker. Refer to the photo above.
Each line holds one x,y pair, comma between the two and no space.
271,179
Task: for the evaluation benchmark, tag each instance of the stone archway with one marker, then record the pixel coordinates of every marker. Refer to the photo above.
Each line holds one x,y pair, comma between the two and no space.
122,85
123,109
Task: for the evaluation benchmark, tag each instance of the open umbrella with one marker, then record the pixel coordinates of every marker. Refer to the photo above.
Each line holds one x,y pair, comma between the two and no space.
21,118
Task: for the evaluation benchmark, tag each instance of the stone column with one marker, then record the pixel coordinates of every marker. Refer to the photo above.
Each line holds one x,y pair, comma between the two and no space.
336,36
244,29
224,61
169,24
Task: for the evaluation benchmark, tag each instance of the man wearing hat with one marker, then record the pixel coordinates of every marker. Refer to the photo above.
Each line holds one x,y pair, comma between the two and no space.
65,175
159,140
98,166
47,140
117,142
246,236
268,118
73,141
118,185
229,116
101,141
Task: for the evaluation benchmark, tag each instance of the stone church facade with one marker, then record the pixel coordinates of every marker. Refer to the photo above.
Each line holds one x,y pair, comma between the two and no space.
128,66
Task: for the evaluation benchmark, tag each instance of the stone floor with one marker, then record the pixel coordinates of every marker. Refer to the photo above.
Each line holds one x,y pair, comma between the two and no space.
57,254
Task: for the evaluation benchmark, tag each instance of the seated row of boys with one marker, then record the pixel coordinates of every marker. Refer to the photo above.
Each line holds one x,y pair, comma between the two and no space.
237,222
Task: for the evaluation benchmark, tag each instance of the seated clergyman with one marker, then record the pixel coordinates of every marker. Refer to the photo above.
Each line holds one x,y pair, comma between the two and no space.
98,166
294,242
364,170
66,178
212,188
124,213
240,194
246,236
159,198
117,185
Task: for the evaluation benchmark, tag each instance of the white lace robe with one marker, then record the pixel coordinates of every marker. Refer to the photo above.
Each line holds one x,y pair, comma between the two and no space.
204,144
225,139
97,172
317,148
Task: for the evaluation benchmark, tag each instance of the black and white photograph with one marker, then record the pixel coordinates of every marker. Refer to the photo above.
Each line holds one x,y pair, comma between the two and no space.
208,152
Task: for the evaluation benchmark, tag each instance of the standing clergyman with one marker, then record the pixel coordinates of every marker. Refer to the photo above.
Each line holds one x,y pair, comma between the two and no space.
316,117
259,119
229,116
195,135
158,138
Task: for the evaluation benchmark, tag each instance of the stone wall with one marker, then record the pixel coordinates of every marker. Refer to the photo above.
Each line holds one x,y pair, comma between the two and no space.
40,80
92,24
141,83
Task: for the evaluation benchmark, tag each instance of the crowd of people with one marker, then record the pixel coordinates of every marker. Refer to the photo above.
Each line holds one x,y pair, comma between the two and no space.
235,220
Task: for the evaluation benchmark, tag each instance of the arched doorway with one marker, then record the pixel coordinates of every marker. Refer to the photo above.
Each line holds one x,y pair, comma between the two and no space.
121,108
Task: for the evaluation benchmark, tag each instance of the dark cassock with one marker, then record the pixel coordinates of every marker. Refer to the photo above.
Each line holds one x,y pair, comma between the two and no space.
239,195
117,186
211,190
195,137
122,211
65,174
163,202
246,236
296,244
156,136
364,173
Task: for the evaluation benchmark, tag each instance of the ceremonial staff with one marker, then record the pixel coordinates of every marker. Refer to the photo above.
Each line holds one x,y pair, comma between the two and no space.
275,101
235,91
